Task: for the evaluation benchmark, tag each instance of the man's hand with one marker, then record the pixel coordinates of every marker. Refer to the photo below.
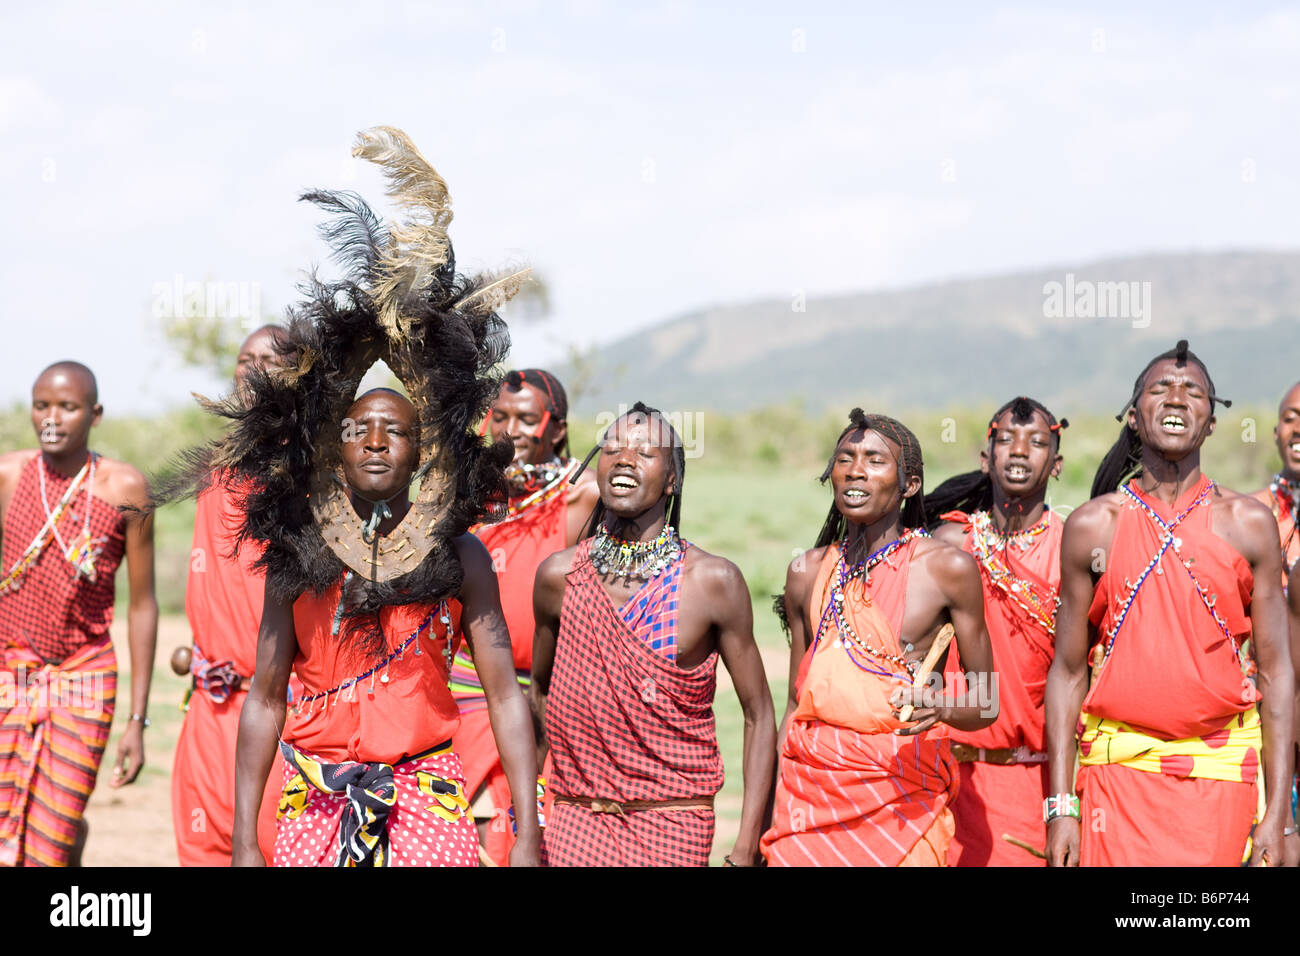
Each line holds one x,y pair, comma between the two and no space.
744,856
527,849
924,713
248,856
1267,844
1063,842
130,754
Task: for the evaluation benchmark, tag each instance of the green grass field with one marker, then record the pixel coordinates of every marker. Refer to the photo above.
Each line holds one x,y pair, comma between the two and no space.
751,496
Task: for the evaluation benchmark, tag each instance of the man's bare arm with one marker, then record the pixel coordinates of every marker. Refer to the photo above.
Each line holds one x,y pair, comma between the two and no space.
548,598
734,620
1292,841
1067,679
1276,677
799,579
141,618
261,723
489,640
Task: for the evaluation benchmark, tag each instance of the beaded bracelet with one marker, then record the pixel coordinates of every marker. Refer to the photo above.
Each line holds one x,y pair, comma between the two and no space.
1061,805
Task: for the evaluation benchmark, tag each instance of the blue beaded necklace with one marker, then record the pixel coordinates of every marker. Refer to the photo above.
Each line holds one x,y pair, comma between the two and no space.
835,606
1169,540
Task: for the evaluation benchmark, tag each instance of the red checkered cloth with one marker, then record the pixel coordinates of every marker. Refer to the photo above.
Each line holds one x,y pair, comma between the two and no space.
624,723
50,610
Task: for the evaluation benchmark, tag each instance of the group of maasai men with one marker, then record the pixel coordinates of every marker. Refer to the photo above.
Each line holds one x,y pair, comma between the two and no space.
973,681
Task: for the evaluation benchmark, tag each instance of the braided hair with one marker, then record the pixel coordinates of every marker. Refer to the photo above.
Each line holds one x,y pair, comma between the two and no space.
973,490
909,465
555,403
647,414
1124,460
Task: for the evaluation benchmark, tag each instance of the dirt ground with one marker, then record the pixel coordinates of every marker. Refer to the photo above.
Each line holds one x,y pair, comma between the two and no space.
132,825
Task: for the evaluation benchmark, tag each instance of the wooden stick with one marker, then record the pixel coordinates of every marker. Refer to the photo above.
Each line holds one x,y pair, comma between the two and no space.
1024,846
941,642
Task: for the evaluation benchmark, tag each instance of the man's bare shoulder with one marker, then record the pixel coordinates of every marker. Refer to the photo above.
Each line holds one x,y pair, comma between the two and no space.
1246,510
1264,496
802,572
1095,514
711,570
471,551
951,532
13,462
944,558
120,484
584,490
557,565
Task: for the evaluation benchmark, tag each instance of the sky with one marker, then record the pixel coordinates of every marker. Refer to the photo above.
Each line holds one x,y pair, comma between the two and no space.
647,160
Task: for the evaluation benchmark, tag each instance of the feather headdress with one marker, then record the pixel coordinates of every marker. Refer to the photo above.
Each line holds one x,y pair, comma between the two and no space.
400,300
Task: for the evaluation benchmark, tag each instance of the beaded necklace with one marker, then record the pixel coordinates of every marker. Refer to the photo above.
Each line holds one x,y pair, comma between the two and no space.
1170,540
989,545
1286,504
442,612
835,606
81,558
542,491
635,559
526,478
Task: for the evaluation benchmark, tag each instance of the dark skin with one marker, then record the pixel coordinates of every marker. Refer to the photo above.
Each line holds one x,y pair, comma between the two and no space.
943,584
517,415
258,351
1173,416
377,466
635,476
1286,435
1021,458
1292,841
65,406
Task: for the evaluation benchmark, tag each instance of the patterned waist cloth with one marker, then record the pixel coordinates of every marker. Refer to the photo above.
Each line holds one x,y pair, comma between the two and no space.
369,794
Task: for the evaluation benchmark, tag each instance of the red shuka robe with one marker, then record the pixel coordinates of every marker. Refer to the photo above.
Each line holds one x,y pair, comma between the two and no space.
1171,674
223,602
517,544
849,791
1008,798
359,707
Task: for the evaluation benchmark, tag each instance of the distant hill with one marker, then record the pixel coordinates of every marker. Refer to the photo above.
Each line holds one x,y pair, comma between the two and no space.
973,341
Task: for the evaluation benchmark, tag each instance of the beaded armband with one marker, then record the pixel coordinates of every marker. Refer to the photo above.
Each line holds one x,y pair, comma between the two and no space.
1061,805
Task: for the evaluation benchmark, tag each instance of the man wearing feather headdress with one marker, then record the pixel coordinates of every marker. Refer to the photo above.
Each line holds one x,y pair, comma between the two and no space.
371,587
544,513
64,536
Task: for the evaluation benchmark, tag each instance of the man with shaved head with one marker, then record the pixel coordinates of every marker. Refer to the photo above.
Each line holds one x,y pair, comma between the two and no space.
223,602
1283,493
373,777
1282,496
63,536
